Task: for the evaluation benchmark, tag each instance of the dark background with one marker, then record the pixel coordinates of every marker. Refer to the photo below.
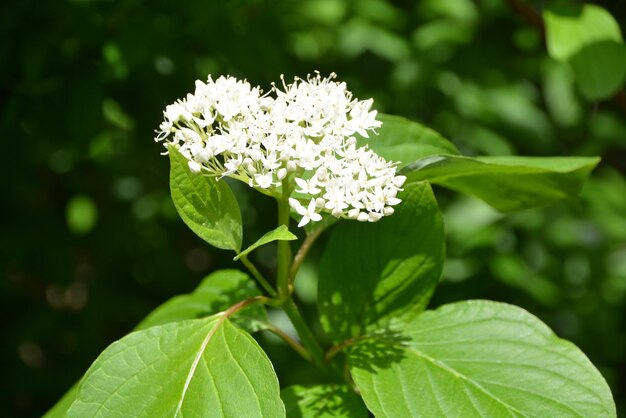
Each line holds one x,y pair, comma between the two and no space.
90,241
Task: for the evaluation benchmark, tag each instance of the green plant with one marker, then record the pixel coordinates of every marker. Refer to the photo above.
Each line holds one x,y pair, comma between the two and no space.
195,356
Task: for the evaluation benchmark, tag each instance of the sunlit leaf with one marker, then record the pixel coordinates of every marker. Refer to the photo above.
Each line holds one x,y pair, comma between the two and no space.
279,234
400,139
477,359
207,205
506,183
216,293
373,274
200,368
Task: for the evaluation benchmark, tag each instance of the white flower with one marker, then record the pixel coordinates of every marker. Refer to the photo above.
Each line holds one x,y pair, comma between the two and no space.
264,181
194,166
302,133
307,187
176,112
232,165
308,214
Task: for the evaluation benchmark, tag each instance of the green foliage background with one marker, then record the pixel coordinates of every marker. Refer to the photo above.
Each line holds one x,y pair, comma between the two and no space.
91,241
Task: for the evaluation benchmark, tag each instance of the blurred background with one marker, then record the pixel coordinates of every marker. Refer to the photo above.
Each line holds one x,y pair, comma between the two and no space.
90,241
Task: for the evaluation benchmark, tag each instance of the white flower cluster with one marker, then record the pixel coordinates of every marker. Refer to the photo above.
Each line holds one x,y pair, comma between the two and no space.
303,135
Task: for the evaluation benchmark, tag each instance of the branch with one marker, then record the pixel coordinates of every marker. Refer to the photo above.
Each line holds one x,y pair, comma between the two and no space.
298,348
301,255
258,276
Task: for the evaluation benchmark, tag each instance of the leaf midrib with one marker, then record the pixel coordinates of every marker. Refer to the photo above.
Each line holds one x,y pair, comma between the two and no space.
443,366
196,360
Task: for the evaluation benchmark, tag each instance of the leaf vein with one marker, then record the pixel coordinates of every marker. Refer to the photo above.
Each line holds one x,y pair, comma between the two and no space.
195,362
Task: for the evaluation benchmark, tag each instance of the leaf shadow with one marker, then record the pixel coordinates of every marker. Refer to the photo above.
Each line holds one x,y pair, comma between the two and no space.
328,400
378,351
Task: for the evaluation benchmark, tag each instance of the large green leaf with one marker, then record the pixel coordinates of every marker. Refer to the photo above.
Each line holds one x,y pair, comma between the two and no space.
477,359
196,368
216,293
506,183
207,205
323,401
373,274
589,38
279,234
402,140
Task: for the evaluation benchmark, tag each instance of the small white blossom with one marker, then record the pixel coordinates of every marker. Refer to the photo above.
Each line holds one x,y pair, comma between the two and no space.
194,166
308,214
362,217
281,173
307,186
302,133
264,181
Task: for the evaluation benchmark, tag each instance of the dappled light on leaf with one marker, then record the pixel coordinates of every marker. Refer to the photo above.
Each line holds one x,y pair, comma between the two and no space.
496,360
376,274
322,401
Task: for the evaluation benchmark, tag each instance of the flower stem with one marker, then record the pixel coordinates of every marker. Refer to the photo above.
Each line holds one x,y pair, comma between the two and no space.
300,255
283,283
306,336
258,276
298,348
284,251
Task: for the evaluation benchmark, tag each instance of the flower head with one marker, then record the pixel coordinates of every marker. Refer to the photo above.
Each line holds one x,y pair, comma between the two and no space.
302,134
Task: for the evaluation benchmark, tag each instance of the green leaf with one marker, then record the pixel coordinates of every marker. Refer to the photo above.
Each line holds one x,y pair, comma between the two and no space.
279,234
506,183
600,69
589,38
200,368
402,140
323,401
373,274
207,205
477,359
571,27
217,292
